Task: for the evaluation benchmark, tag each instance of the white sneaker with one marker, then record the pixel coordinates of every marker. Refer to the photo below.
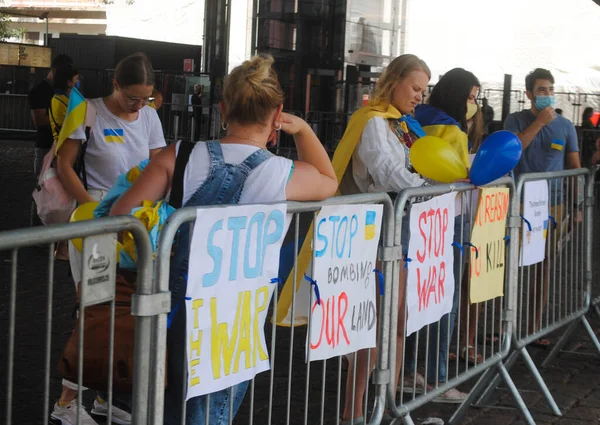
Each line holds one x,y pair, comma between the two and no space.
67,415
119,416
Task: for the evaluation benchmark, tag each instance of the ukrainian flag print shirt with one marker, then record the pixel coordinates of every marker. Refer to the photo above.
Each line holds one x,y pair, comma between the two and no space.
116,145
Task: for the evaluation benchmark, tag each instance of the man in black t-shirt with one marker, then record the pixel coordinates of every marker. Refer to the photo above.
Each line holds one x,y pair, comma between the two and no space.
40,98
39,102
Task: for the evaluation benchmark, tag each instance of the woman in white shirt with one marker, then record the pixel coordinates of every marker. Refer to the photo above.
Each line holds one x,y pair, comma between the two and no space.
237,169
380,136
125,131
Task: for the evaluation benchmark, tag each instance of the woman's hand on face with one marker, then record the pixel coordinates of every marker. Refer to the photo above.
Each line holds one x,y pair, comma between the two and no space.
290,124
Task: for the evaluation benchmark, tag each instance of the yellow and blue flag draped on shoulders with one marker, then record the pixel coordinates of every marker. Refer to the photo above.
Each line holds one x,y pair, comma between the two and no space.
152,214
437,123
74,119
341,160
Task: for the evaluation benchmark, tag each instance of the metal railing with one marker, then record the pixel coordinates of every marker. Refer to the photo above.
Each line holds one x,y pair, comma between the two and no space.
269,392
15,114
553,293
15,240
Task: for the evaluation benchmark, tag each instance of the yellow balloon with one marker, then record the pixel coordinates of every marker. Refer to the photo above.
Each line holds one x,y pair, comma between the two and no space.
82,213
437,160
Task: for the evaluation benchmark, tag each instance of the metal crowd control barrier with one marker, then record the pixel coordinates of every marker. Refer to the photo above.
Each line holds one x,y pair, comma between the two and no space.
556,292
190,122
15,114
495,318
272,390
329,127
22,238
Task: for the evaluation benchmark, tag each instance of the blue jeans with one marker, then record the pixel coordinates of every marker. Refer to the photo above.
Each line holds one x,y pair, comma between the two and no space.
446,324
219,402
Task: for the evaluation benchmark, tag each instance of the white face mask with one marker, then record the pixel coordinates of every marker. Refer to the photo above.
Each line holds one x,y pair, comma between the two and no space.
471,110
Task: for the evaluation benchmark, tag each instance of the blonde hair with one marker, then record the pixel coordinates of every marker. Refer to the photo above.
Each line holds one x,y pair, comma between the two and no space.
398,69
251,91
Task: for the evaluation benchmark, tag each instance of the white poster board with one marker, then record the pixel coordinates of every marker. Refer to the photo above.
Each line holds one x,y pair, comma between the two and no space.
234,254
535,211
430,283
345,252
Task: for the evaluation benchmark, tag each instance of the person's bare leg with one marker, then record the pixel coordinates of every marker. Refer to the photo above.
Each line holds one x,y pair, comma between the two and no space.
355,390
354,400
400,330
67,396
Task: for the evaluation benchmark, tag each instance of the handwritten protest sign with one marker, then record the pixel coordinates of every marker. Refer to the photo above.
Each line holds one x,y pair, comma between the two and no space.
535,211
234,254
489,231
345,251
430,283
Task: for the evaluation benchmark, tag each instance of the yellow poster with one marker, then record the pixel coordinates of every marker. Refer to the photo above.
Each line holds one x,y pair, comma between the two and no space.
489,231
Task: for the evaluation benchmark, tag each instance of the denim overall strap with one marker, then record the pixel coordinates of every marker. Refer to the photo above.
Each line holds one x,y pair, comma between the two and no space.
224,185
225,182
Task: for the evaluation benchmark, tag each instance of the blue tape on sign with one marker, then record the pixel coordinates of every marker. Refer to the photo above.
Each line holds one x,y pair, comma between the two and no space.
553,221
475,248
276,280
188,298
381,281
459,246
527,223
171,315
406,260
507,239
316,286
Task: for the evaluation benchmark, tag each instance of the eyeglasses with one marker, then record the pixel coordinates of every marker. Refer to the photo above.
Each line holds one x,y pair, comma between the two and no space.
136,100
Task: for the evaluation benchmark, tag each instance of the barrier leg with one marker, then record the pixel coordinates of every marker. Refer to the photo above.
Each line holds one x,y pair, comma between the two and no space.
515,393
596,309
491,387
536,374
591,333
408,420
560,344
481,384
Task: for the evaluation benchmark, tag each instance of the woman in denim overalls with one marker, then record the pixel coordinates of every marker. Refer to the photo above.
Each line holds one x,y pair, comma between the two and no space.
235,169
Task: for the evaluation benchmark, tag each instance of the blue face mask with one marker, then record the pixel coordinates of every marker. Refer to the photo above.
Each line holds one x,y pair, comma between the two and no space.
78,84
542,102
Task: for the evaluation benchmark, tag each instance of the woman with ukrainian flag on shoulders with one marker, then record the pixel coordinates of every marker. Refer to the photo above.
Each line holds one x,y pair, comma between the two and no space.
374,156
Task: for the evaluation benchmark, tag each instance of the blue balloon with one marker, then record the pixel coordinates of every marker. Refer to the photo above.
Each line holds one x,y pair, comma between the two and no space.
498,155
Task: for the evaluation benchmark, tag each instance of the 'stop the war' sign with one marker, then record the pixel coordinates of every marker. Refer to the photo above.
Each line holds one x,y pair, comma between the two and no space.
345,251
234,254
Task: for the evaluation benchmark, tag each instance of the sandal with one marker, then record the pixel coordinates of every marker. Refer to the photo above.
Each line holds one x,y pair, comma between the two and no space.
542,343
495,338
471,357
452,396
357,421
417,380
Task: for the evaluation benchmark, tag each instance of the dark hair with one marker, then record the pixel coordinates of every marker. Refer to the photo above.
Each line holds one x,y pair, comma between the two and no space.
61,60
134,69
587,114
452,92
62,76
559,111
537,74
